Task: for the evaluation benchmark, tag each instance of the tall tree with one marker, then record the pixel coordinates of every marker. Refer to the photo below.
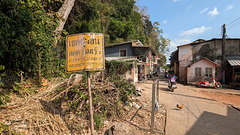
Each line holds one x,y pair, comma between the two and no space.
64,12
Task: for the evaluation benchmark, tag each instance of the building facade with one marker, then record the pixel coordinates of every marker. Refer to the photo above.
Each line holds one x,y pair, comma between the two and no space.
132,51
214,51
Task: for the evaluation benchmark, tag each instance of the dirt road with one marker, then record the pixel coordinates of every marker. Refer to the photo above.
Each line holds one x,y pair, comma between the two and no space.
202,113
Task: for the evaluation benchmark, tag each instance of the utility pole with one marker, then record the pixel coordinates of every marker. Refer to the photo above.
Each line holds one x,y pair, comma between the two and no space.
223,51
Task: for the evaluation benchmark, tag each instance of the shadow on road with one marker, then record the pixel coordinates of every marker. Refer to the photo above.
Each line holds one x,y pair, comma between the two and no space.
165,89
214,124
164,84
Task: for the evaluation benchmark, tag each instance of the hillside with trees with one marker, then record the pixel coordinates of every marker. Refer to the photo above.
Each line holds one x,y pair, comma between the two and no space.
30,43
32,60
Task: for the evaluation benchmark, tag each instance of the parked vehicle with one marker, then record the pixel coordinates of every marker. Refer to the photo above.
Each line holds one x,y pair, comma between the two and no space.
149,76
166,74
141,76
213,84
155,73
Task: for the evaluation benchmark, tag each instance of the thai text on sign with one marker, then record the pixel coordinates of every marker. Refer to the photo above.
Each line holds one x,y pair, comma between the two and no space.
85,52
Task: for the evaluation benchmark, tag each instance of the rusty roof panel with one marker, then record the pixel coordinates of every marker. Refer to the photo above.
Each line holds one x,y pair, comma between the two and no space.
234,60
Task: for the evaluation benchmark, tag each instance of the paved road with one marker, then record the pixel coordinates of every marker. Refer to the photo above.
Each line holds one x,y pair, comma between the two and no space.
201,115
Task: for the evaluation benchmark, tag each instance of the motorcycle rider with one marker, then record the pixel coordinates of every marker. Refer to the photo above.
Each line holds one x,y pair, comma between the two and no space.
172,78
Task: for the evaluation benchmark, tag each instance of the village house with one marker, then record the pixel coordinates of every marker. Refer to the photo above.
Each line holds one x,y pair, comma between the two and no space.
207,58
130,51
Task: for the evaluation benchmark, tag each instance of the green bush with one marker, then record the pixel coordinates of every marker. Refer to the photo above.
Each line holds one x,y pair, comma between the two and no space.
27,38
97,121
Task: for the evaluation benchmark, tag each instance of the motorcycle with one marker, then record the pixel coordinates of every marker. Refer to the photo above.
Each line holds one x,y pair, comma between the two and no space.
172,84
213,84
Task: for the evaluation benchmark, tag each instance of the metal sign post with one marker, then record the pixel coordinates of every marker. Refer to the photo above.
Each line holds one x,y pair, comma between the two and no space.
85,52
153,107
158,91
90,102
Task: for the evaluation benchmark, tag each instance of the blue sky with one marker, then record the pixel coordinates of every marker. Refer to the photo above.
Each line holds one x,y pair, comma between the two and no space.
184,21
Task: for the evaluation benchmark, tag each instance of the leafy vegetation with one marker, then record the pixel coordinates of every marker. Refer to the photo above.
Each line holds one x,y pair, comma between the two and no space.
116,69
3,94
27,31
3,128
27,37
119,20
108,96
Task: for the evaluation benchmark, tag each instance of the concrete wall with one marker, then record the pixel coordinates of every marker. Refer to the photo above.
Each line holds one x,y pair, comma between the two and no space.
185,58
114,51
232,48
191,78
133,74
212,50
176,68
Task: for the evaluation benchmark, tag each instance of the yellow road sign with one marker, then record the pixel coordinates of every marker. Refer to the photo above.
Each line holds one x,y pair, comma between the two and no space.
85,52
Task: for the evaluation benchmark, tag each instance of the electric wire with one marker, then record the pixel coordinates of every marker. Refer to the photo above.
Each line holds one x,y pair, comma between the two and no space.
235,20
215,32
233,26
211,33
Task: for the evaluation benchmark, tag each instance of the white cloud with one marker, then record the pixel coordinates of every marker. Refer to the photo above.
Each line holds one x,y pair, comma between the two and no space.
204,10
176,0
194,31
213,12
165,22
178,42
229,7
190,6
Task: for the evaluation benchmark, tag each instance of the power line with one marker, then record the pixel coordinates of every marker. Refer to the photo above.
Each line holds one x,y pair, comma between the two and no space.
211,33
233,26
217,30
235,20
235,34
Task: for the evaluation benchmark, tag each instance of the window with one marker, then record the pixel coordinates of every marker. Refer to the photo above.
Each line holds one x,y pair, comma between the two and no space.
198,71
208,72
123,52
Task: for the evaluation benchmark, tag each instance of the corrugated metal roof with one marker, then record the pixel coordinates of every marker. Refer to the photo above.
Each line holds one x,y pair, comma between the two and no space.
134,43
234,60
121,58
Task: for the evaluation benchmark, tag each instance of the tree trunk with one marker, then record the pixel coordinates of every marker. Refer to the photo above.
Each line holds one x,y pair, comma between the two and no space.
63,12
